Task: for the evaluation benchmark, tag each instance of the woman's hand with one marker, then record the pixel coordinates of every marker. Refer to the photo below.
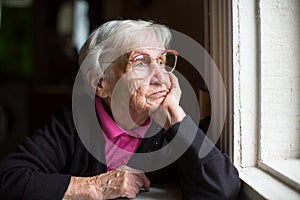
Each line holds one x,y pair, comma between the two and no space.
122,182
170,112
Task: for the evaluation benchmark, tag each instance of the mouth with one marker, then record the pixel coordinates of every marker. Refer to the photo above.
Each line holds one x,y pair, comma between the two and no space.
159,94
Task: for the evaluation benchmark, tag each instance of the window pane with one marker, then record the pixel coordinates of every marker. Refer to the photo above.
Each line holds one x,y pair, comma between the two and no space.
280,79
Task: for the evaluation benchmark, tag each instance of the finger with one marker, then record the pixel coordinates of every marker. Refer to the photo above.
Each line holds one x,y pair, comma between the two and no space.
139,182
145,181
174,81
133,182
135,188
174,90
130,194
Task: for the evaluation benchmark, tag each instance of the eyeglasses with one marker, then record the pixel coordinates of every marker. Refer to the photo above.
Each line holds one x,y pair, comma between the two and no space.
141,61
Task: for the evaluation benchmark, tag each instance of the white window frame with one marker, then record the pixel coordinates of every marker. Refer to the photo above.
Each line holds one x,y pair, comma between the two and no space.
259,180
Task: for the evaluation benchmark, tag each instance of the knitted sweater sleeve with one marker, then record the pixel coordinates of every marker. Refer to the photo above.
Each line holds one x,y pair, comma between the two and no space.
205,172
35,170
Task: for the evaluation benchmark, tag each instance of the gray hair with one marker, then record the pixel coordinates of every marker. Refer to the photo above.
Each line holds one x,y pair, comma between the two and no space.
115,38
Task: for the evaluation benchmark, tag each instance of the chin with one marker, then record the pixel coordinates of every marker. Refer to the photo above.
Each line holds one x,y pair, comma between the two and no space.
154,107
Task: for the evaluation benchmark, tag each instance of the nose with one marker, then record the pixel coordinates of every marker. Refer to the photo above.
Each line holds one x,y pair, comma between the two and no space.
159,75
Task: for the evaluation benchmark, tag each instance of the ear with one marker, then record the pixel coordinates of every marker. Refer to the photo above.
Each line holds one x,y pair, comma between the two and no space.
101,90
97,84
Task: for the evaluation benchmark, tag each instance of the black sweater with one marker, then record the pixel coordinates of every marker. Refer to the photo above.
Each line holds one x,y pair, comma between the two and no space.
42,166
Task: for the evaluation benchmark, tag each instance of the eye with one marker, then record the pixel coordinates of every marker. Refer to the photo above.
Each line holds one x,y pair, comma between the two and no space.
161,60
141,62
139,65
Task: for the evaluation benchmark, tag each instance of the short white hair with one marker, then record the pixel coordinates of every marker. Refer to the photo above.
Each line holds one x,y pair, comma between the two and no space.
115,38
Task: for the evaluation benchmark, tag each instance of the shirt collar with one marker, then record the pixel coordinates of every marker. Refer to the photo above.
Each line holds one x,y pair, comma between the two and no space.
112,129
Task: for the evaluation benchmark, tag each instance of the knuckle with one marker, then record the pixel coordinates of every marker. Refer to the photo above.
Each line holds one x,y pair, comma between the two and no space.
122,190
131,194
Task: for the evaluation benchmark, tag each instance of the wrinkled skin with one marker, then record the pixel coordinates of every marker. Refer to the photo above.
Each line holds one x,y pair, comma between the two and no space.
121,182
131,101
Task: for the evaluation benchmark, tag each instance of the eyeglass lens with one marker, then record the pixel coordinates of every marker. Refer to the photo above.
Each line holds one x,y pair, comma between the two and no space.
166,60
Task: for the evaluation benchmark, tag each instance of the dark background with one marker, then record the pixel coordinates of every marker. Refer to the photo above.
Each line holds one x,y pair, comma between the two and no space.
38,65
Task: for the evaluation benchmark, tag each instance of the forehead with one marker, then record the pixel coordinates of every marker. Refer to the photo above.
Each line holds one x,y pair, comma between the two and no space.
143,40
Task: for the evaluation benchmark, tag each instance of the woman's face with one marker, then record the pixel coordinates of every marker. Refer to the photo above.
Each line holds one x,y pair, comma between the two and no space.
133,93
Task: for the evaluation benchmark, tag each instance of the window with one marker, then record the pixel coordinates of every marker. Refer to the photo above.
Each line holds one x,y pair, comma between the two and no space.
266,91
280,90
81,24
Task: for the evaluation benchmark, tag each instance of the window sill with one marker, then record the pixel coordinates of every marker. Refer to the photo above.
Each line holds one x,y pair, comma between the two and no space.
259,185
286,170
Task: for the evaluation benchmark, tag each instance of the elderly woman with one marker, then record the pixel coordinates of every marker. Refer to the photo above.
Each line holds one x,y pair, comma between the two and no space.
128,69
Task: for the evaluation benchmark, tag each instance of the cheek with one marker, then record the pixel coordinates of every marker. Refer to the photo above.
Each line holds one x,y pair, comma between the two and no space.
134,89
138,85
138,97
